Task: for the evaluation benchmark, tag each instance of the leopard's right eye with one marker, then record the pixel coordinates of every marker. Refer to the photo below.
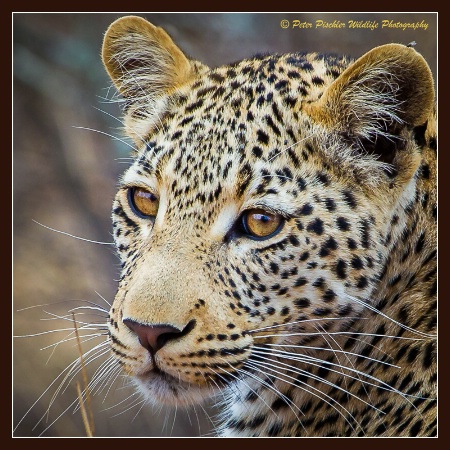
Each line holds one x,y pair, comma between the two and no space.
144,203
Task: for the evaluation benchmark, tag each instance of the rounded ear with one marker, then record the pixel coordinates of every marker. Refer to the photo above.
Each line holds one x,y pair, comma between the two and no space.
140,57
147,68
388,88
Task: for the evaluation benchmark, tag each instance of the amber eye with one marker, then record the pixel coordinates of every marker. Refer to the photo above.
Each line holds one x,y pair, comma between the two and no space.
144,203
260,224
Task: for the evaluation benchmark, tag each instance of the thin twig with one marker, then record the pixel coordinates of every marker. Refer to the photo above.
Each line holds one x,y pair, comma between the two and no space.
88,424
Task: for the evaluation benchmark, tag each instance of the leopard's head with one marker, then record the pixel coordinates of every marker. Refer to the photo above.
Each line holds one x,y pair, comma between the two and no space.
258,202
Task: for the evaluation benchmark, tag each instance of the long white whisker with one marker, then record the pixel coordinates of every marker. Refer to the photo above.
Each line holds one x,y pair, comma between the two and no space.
372,308
101,352
319,363
66,301
72,236
90,336
134,404
42,395
104,299
57,418
133,394
243,382
89,356
108,370
297,370
71,313
337,333
43,333
328,350
287,148
109,135
67,373
138,411
317,326
120,121
256,330
110,115
255,365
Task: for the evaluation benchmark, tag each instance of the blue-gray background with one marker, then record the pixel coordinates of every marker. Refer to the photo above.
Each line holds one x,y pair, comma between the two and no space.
65,178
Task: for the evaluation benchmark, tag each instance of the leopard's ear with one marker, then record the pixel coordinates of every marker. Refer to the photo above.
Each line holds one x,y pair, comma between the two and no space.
387,90
146,67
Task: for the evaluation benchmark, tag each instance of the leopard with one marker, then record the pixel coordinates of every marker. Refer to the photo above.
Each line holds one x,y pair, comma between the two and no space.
277,237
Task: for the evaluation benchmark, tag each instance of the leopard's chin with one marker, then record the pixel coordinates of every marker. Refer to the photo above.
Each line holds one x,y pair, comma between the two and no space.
159,387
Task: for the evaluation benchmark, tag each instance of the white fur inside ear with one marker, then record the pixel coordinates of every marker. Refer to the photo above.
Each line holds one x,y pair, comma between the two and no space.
143,63
387,88
372,100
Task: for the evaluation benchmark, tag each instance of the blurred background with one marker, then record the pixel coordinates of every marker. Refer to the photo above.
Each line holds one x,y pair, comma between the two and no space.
64,177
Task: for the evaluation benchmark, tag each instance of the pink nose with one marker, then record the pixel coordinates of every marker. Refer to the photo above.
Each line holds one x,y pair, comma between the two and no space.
154,336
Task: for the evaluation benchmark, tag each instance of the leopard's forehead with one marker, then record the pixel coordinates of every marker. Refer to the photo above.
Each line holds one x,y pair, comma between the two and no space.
238,129
250,101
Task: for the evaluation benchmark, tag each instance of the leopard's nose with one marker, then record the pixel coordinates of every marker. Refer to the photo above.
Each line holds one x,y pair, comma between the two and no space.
155,336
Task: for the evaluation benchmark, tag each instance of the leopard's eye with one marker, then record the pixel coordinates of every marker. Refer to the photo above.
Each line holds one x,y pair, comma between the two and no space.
143,203
260,224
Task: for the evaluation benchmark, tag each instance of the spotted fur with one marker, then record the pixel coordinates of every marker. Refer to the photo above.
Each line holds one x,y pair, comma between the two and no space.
326,328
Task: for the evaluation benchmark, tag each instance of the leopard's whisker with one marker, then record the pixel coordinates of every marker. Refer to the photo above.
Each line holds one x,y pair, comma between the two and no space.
106,301
123,124
90,336
298,371
75,402
100,325
138,411
72,235
290,146
206,413
115,138
73,366
242,380
316,393
90,355
256,330
289,402
254,367
375,310
138,397
337,333
43,333
103,373
134,404
317,327
106,379
309,360
328,350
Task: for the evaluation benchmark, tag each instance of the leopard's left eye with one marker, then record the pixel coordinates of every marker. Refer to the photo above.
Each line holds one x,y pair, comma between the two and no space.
144,203
260,224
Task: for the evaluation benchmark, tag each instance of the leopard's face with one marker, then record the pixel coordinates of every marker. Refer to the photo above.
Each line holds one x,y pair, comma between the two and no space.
249,220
